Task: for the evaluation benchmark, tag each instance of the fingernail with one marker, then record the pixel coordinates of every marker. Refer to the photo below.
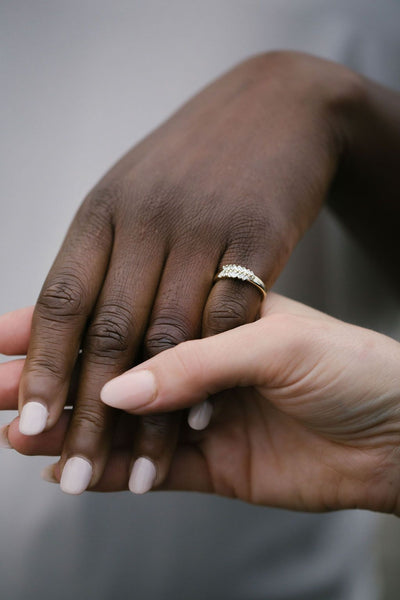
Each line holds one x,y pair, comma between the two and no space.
130,391
143,476
48,474
4,443
200,415
76,475
33,418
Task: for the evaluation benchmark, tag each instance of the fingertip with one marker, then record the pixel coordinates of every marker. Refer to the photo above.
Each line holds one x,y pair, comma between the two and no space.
130,391
76,475
33,418
200,415
4,441
143,475
48,473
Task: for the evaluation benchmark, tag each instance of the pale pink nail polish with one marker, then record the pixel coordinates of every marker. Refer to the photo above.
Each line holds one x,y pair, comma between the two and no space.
33,418
143,476
76,475
130,391
200,415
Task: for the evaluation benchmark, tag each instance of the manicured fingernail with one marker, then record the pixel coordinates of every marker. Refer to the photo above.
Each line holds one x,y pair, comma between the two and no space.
33,418
76,475
4,443
200,415
47,474
143,476
131,390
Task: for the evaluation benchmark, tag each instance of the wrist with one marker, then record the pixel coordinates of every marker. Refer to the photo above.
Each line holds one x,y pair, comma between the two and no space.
327,93
328,86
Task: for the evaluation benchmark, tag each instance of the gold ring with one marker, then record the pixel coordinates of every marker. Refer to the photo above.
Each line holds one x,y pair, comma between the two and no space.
238,272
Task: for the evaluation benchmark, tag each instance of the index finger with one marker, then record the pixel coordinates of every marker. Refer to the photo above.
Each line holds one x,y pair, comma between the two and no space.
60,318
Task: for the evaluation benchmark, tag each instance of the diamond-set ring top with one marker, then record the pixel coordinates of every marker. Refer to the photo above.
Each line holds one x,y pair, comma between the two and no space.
238,272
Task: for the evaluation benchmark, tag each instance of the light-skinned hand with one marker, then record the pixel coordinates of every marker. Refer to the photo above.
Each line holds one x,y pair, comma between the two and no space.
306,412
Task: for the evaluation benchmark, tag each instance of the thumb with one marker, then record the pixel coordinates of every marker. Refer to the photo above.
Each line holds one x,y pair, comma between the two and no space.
187,374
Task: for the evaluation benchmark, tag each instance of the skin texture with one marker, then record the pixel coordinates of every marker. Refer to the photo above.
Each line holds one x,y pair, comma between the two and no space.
306,412
236,176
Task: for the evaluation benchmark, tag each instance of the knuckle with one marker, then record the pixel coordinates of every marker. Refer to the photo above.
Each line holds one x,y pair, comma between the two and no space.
109,334
92,418
101,203
156,426
255,228
160,196
165,332
189,359
224,316
46,364
295,332
62,297
160,204
97,215
286,322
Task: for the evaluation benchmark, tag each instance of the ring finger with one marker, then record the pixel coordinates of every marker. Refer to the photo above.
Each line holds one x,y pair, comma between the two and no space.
176,317
233,301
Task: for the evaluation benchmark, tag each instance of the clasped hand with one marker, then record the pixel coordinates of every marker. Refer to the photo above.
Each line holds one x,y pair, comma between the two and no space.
237,175
306,411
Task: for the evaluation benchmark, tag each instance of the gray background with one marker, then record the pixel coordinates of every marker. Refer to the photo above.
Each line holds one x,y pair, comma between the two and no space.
81,82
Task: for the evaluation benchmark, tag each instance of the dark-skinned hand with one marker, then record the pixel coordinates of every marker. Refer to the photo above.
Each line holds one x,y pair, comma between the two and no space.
237,175
306,411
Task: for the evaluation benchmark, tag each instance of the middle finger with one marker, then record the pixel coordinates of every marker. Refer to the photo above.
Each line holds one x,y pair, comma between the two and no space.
109,347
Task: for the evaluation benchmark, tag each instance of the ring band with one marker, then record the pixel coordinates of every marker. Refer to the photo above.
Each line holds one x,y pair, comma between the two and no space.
238,272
